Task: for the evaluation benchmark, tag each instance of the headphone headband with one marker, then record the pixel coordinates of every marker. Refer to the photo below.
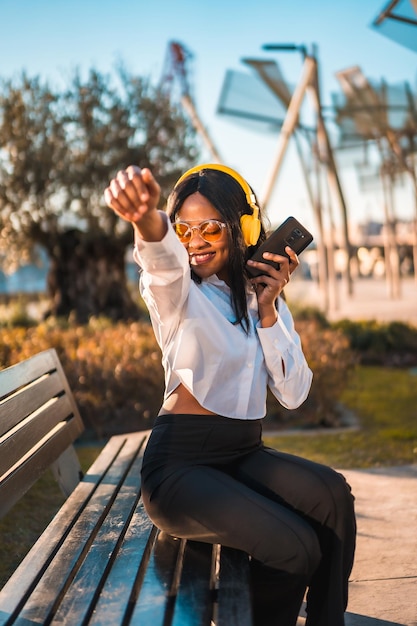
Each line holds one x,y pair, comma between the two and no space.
251,225
250,196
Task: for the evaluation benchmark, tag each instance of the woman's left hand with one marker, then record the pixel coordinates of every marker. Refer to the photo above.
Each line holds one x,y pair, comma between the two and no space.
272,281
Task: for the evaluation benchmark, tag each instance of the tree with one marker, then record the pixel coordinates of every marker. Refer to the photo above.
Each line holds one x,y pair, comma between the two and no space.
58,151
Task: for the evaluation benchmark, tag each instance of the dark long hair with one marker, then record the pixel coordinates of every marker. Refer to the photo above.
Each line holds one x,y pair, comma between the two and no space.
229,199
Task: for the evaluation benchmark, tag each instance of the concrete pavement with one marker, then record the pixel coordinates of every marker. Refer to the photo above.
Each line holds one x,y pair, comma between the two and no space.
383,587
383,584
370,300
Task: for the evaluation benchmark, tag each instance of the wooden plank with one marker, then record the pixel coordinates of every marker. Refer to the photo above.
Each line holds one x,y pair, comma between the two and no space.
158,591
195,587
32,431
80,597
49,425
234,596
24,580
125,580
28,400
112,450
60,573
15,485
20,585
25,385
25,372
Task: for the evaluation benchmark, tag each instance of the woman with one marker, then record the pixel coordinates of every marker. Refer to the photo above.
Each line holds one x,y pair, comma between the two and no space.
225,338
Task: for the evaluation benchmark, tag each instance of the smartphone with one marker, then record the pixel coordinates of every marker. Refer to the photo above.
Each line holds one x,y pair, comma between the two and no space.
290,233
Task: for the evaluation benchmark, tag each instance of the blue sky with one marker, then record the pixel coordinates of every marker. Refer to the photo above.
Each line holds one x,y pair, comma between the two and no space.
51,37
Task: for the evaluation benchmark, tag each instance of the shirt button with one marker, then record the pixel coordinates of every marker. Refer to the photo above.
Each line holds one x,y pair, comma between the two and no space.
250,364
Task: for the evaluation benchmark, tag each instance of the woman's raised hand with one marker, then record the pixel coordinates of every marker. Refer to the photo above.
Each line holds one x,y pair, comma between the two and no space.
134,196
133,193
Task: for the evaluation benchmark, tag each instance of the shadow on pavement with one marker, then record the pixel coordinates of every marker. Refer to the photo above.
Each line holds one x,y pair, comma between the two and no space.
353,619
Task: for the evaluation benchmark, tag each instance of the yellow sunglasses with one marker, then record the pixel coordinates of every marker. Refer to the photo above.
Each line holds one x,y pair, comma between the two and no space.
209,230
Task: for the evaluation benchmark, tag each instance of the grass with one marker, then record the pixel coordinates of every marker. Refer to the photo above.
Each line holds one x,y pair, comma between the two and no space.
384,399
385,402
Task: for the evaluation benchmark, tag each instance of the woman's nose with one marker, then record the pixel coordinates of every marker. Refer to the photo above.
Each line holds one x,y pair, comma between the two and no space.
195,232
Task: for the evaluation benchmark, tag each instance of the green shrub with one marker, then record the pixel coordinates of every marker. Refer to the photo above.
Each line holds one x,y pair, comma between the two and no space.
393,343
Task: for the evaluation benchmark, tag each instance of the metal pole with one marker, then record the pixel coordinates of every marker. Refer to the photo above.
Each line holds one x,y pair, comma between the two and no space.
288,126
189,107
332,174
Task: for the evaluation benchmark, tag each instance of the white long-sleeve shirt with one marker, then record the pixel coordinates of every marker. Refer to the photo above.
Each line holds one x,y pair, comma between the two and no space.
224,368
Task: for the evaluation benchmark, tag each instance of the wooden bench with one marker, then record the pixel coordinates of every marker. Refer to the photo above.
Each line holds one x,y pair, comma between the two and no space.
100,560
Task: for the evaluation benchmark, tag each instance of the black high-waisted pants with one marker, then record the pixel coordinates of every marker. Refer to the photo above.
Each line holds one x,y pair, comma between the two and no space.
211,478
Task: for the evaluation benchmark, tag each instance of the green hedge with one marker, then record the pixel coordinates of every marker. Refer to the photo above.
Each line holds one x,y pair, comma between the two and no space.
376,343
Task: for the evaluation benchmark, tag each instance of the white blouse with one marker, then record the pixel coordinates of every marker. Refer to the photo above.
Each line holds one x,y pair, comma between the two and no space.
225,369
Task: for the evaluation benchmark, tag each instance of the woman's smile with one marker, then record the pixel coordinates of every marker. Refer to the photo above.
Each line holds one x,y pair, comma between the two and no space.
199,258
206,259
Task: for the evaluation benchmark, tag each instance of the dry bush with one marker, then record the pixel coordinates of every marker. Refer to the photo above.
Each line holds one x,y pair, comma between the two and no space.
114,370
330,358
116,374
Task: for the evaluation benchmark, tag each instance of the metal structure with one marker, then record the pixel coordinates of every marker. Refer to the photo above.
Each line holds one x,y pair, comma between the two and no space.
398,21
385,117
319,146
177,69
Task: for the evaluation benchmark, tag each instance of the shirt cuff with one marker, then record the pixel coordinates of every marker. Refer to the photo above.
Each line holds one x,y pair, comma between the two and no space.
276,337
164,254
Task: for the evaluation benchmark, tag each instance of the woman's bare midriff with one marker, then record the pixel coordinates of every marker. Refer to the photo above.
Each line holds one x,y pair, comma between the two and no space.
182,402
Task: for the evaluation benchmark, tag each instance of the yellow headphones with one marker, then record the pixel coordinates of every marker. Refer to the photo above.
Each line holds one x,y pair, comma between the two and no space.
250,224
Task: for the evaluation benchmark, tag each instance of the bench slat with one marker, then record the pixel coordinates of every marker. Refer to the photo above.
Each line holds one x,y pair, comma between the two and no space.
33,431
79,601
16,376
24,426
63,529
28,400
60,573
14,486
125,580
234,601
156,599
195,587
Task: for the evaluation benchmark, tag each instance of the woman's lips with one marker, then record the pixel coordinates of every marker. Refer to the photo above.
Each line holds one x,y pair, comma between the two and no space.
201,258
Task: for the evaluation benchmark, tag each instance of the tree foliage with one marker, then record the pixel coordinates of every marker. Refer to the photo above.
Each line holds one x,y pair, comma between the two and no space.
58,150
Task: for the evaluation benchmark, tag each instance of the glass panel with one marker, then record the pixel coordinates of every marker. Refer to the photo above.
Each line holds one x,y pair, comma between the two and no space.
394,27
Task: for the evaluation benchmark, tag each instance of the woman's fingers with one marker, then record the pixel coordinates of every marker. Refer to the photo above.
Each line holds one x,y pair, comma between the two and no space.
132,193
152,186
127,185
294,260
272,280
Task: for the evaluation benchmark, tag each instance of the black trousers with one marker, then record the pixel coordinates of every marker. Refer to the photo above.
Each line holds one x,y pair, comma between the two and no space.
211,479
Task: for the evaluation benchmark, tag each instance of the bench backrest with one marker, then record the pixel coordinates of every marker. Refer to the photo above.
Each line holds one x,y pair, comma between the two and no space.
39,421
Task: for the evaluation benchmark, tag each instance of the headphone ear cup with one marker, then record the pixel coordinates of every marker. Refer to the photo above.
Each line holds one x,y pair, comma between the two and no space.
251,228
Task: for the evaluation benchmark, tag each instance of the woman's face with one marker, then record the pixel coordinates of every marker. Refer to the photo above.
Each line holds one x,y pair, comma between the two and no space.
206,258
